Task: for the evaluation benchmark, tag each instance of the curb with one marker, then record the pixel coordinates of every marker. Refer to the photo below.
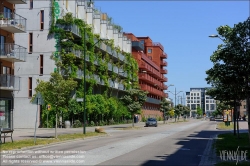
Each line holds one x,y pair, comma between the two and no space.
209,155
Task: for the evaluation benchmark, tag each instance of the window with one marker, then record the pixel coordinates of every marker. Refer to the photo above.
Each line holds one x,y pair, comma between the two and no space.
244,106
7,13
30,86
198,94
194,94
149,50
211,106
30,42
193,106
2,48
31,4
41,19
6,70
41,64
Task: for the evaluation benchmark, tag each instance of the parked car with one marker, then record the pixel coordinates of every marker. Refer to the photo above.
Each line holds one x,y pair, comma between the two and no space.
151,122
212,118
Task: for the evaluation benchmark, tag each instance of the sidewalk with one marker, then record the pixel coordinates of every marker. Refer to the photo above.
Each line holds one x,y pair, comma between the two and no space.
20,134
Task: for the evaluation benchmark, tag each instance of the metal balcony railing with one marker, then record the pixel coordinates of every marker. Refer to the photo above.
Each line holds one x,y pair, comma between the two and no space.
9,82
164,63
12,22
13,51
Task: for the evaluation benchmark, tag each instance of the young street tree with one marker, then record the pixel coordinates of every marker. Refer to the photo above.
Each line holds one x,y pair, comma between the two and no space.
134,100
231,64
199,111
56,92
165,108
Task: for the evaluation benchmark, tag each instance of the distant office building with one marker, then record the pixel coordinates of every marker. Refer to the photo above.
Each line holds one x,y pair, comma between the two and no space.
197,97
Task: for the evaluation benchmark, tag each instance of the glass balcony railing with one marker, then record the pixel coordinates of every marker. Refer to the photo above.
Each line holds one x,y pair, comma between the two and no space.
12,22
152,100
9,82
12,52
74,29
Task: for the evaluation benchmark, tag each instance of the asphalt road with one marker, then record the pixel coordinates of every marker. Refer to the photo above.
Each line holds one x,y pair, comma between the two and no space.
175,144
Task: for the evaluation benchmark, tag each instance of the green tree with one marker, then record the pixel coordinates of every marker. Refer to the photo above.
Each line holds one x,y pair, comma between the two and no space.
165,107
230,73
134,100
199,111
57,92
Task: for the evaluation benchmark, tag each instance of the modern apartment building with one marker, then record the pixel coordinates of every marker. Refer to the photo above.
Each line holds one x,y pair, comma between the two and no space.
41,46
150,57
11,23
197,97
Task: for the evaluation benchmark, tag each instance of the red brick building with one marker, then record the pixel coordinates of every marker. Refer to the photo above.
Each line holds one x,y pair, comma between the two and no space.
150,57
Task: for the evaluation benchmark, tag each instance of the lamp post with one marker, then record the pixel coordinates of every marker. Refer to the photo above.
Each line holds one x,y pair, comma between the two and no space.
215,36
84,80
175,93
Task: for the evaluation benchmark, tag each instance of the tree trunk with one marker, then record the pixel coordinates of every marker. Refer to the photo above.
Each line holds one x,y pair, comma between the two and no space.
133,123
56,126
248,113
235,117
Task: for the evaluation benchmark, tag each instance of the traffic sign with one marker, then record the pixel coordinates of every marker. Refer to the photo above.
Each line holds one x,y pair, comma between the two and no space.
48,106
79,99
38,99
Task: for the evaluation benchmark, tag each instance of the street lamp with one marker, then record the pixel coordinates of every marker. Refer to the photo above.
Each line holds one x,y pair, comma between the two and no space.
215,36
175,93
84,77
84,80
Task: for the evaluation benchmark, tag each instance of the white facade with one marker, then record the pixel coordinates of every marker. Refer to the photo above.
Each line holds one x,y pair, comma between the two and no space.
197,97
42,44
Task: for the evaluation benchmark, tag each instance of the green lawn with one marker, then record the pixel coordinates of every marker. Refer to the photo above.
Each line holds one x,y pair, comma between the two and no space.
44,141
222,126
230,142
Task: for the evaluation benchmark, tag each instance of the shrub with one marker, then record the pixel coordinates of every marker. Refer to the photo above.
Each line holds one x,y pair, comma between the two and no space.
77,124
144,119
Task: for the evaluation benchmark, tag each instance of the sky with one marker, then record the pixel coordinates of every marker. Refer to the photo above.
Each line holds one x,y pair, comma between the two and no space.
182,27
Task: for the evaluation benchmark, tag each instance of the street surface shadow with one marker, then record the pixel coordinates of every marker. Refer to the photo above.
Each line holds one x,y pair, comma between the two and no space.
190,152
38,136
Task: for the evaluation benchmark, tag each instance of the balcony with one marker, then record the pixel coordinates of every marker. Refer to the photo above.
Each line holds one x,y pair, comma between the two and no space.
80,2
147,78
12,22
165,87
164,79
164,63
158,44
71,28
165,95
138,45
12,52
152,100
17,1
9,82
77,53
164,71
164,55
